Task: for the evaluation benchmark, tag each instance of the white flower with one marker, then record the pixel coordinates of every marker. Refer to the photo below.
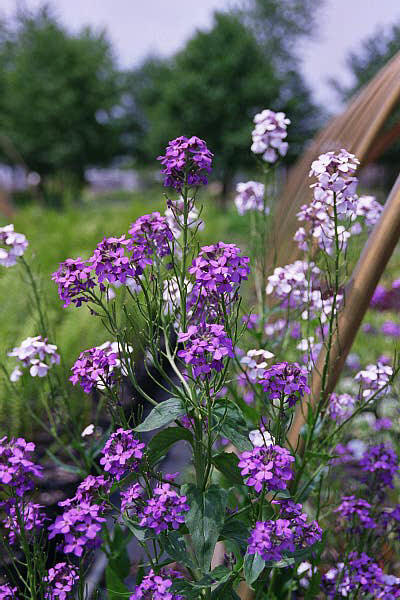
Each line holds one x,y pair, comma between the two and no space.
261,438
89,430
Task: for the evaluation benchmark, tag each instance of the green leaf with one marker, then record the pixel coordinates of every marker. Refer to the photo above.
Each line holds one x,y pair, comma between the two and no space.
236,531
159,444
233,425
227,464
162,414
176,548
116,589
224,592
220,574
138,532
253,567
205,520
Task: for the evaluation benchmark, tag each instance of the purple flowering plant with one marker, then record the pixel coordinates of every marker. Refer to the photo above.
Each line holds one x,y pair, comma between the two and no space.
234,381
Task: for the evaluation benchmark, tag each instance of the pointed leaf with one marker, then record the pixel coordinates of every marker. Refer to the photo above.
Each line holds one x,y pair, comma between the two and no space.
162,441
162,414
233,425
227,464
253,567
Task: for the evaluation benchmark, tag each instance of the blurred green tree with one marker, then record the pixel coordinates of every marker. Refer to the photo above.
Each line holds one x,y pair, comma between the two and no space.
213,88
375,52
58,93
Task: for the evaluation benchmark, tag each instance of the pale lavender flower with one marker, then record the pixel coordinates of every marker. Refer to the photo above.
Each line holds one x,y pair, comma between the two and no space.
36,354
341,407
269,134
250,197
373,378
12,245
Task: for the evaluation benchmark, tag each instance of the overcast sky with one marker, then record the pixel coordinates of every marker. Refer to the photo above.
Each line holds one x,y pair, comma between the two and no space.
140,27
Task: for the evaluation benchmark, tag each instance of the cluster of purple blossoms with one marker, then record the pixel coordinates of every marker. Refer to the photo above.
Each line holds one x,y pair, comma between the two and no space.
121,452
16,466
152,233
361,574
219,268
60,580
12,245
391,329
341,407
166,509
387,298
250,197
285,382
382,463
89,490
273,539
95,368
29,513
116,260
75,281
130,496
156,587
374,378
268,466
186,162
355,510
80,526
7,592
369,210
206,348
269,134
36,354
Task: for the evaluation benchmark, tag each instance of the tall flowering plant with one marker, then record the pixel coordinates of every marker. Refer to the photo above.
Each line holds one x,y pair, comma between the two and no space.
251,515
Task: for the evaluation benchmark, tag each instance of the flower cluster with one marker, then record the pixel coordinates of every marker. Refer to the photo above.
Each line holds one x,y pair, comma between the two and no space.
254,363
151,234
28,513
219,268
115,260
155,587
387,298
206,347
75,281
130,496
286,382
266,466
16,466
293,282
269,134
95,368
80,526
391,329
374,378
361,574
186,161
121,452
341,407
175,216
357,510
250,197
273,539
89,490
370,210
382,463
166,509
334,172
12,245
60,580
36,354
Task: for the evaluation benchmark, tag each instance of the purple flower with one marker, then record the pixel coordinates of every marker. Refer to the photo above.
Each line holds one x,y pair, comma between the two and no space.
356,511
391,329
186,161
384,423
251,320
153,234
286,382
80,526
16,466
269,135
335,170
121,452
382,463
130,495
219,268
89,490
61,580
7,592
12,245
206,347
36,354
269,466
250,197
166,509
254,363
27,514
361,574
373,378
115,260
95,368
341,407
155,587
75,279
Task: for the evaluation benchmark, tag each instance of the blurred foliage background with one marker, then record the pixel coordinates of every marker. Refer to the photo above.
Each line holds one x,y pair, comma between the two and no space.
66,107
